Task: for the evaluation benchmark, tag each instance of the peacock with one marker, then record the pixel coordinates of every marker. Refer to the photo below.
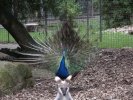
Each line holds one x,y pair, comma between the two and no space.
64,48
66,45
65,53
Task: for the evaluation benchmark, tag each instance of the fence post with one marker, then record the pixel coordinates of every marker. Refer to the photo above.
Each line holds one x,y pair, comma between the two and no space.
100,11
88,18
8,37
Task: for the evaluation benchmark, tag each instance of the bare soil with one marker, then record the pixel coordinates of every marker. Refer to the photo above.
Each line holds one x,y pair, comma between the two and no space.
108,77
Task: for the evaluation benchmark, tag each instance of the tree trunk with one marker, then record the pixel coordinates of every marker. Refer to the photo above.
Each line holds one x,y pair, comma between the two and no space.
45,18
16,29
15,8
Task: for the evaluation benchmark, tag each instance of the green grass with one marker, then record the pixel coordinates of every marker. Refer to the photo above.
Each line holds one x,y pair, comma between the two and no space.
52,29
109,40
116,40
4,35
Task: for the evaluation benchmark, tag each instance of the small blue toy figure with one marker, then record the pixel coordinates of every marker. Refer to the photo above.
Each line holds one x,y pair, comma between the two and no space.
62,71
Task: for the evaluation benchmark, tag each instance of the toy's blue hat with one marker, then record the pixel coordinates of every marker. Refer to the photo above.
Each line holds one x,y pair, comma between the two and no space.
62,71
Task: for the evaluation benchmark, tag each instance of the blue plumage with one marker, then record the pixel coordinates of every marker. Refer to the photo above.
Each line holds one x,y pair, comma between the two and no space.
62,71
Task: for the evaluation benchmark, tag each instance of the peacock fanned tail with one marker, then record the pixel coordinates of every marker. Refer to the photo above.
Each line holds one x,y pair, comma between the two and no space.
77,50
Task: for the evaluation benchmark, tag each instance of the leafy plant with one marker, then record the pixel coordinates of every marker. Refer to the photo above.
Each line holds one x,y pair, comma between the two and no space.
68,10
117,13
14,77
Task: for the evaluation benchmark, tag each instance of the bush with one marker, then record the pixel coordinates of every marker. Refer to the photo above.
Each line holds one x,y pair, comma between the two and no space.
14,77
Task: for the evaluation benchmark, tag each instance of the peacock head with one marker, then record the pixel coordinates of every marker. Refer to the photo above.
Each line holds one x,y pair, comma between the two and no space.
63,85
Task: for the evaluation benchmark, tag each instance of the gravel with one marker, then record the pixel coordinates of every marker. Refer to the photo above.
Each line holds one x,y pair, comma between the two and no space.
108,77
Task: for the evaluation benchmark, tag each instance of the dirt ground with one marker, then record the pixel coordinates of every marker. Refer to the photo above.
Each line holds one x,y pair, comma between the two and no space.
108,77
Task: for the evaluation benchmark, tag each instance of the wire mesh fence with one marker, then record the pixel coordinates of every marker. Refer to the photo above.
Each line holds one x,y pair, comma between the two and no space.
88,24
117,37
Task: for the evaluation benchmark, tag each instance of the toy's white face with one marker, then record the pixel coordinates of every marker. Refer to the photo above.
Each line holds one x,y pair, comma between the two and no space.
63,88
63,85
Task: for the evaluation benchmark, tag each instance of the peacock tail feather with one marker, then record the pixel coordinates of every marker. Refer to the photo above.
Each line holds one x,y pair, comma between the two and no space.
50,52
